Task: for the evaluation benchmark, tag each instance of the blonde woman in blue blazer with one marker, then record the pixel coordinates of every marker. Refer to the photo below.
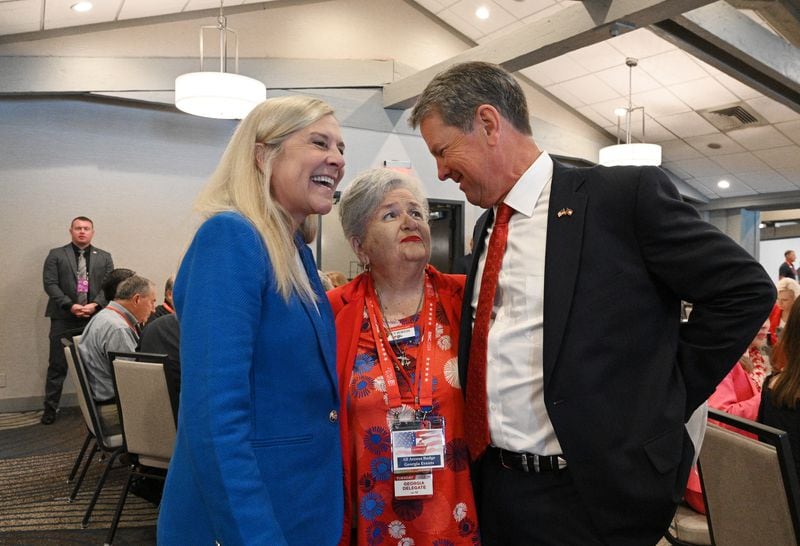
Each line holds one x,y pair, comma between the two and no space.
257,457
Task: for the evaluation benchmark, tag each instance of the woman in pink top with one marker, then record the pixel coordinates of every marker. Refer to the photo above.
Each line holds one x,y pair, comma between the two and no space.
738,394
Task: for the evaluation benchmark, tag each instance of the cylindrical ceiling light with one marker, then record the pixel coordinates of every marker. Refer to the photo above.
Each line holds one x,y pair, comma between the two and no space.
220,95
630,153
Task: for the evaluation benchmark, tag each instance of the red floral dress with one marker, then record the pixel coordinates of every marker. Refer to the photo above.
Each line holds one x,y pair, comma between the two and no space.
760,367
449,517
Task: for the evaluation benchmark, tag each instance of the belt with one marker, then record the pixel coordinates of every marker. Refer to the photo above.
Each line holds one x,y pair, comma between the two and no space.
527,462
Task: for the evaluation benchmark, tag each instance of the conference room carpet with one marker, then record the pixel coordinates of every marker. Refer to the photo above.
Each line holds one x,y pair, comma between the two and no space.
35,461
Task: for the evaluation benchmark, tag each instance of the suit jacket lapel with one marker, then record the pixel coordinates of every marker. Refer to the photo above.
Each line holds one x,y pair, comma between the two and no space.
562,260
93,259
320,314
465,334
73,264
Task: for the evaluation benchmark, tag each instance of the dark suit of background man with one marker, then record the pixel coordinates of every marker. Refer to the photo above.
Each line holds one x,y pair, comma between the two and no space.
73,300
588,365
787,267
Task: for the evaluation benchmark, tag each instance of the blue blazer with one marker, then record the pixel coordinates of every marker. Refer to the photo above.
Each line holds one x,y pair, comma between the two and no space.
257,457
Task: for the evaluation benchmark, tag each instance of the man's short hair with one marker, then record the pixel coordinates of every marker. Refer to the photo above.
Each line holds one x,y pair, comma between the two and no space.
82,219
113,279
786,254
457,92
169,284
134,285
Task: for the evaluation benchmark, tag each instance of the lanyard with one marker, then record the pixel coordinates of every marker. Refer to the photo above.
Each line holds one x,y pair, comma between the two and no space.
131,325
166,306
423,399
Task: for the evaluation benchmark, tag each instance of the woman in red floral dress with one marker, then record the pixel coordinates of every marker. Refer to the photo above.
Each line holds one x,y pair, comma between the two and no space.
397,341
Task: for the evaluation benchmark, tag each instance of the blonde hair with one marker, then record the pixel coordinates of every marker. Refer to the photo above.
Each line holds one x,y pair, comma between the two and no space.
789,285
238,184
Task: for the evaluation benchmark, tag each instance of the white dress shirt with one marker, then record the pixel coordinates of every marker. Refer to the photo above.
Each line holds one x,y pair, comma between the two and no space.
518,419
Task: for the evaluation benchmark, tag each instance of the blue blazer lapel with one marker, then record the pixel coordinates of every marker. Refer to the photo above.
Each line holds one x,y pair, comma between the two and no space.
562,259
320,314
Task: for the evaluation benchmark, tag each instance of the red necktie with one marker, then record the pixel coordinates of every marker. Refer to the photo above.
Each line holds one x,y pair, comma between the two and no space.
477,423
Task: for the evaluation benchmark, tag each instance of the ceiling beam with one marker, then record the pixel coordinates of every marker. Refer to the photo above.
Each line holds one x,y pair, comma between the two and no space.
734,44
577,26
781,15
190,15
763,201
26,75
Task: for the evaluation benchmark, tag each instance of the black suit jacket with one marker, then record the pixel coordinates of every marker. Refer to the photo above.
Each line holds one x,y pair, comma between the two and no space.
621,373
60,277
785,271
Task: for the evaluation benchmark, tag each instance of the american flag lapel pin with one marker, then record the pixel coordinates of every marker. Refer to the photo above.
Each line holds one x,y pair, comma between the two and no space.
564,212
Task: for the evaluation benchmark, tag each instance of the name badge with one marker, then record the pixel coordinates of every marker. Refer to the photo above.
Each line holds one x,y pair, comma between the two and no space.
400,332
418,446
409,486
83,286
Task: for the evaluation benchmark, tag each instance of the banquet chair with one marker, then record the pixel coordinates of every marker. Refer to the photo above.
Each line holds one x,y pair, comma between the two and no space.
750,486
66,341
688,528
110,445
148,425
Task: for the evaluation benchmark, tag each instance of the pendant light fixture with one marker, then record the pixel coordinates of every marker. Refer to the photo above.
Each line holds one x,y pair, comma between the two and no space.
220,95
630,153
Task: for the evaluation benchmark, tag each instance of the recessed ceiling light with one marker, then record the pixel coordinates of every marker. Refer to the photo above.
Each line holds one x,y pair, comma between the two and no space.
620,112
482,13
81,7
724,184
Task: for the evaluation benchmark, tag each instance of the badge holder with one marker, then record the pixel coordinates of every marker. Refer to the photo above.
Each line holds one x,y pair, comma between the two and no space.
417,450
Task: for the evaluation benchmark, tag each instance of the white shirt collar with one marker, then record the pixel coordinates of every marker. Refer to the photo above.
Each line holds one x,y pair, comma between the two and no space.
526,191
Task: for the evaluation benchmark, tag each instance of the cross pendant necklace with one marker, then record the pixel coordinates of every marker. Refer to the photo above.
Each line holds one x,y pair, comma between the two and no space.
404,361
401,358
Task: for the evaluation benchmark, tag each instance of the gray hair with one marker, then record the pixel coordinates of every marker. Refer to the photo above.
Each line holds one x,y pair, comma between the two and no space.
134,285
365,194
457,92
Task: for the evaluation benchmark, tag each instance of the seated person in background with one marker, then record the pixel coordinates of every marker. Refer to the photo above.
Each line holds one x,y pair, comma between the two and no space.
112,280
788,291
738,394
167,307
114,328
462,264
779,399
337,278
162,336
325,280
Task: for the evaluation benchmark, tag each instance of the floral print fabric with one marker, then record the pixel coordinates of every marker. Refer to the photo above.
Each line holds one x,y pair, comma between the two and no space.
448,518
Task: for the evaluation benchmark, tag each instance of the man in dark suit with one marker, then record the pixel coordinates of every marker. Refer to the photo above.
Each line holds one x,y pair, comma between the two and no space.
787,267
73,276
162,335
167,307
576,405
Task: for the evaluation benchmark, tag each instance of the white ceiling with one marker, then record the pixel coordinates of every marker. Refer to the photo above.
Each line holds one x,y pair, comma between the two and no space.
669,83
